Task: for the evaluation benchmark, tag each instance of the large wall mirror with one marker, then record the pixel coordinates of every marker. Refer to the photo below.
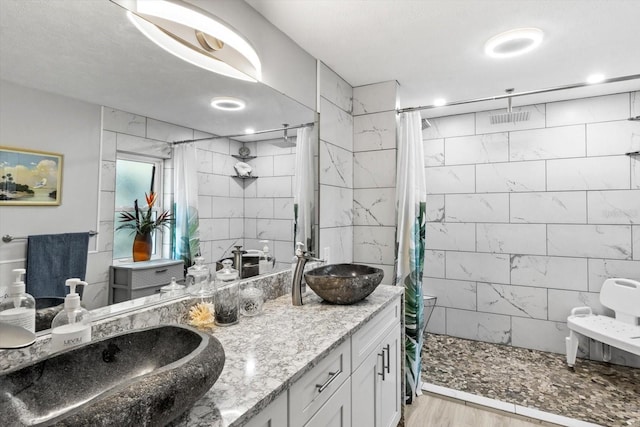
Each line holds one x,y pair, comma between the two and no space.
139,98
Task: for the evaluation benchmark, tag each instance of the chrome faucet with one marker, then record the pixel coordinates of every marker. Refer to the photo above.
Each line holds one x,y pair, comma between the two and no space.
296,285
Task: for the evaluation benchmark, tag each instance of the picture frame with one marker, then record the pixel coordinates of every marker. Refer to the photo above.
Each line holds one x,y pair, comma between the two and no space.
30,177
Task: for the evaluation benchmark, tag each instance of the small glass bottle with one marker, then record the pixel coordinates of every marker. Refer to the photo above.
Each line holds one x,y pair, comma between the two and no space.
172,289
227,298
251,300
198,280
19,308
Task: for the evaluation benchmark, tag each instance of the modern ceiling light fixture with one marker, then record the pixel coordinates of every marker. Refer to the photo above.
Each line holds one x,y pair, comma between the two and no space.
513,42
194,36
227,103
439,102
595,78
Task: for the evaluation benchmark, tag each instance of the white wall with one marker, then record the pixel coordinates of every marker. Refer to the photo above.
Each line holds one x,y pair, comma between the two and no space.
35,120
527,220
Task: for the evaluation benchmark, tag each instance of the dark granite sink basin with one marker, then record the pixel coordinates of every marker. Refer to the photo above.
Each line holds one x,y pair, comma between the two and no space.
344,283
144,377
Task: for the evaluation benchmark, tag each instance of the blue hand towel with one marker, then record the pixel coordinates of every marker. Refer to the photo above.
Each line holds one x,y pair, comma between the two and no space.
54,258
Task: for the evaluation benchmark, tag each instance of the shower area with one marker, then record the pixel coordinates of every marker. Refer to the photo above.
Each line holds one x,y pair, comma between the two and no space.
529,210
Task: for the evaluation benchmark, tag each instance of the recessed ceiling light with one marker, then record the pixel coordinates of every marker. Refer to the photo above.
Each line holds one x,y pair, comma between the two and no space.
595,78
249,131
439,102
513,42
227,103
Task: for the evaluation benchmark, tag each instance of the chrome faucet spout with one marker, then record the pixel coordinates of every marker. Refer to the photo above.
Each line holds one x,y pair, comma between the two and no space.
296,285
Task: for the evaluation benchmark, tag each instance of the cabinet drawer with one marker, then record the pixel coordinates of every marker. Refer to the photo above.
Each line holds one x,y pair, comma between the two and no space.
315,387
274,415
366,340
149,274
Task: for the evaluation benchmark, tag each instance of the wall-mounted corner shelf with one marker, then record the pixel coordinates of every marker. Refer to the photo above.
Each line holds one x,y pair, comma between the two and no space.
244,177
243,157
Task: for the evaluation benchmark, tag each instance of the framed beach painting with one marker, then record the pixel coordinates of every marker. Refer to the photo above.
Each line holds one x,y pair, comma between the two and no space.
29,177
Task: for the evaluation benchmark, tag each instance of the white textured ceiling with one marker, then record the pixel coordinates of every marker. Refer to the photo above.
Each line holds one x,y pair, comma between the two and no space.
434,48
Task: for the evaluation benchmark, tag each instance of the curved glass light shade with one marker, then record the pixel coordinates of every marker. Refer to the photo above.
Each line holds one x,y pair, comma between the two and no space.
195,37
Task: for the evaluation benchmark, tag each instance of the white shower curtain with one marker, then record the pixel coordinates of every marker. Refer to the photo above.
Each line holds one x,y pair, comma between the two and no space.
303,199
186,243
410,241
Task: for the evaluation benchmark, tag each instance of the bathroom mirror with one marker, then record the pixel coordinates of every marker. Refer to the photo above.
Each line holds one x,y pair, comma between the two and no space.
89,51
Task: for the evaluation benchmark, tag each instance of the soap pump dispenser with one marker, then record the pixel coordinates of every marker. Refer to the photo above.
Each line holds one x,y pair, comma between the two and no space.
263,260
19,308
71,326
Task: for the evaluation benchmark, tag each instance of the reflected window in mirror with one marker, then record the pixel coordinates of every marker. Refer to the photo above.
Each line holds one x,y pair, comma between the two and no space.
136,176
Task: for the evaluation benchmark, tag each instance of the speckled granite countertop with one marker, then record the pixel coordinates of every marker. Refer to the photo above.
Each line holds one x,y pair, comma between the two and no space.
266,354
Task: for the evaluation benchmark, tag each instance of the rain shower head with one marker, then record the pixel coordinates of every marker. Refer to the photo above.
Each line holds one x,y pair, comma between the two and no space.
510,116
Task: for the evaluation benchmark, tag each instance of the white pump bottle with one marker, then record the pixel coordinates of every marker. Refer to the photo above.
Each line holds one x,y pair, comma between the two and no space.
19,308
72,326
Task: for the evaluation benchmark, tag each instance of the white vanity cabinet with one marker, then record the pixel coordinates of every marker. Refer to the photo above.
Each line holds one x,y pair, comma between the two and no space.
275,414
376,380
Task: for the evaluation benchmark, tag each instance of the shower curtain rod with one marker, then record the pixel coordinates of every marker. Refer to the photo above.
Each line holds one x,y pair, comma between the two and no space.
511,95
304,125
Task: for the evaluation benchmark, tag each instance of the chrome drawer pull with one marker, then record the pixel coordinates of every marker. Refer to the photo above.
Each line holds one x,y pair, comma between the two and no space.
334,375
382,370
164,270
388,366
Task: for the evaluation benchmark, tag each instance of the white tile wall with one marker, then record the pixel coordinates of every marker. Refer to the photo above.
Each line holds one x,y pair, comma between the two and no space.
553,219
374,206
374,245
374,169
374,98
374,131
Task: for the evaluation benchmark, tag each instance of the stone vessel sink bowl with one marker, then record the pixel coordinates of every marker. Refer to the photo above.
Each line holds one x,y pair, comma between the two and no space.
344,283
146,377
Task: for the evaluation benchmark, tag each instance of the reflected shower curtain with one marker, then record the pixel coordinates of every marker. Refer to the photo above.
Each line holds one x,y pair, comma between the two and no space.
410,241
304,191
186,240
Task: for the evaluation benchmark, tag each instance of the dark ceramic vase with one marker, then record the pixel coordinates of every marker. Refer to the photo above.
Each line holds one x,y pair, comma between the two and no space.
142,247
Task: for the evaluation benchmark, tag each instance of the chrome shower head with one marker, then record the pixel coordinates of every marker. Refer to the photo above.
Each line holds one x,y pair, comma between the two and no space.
510,116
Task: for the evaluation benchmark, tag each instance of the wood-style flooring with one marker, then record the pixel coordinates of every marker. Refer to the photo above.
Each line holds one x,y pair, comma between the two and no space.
430,410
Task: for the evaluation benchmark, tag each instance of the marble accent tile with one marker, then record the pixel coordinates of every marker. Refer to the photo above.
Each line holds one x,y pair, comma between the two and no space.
336,207
274,229
375,97
213,185
135,144
204,159
635,173
561,302
477,207
476,266
339,240
512,238
451,293
336,165
435,207
614,207
284,165
107,206
450,236
96,273
549,143
612,138
487,327
163,131
591,241
636,242
336,125
433,152
603,269
108,176
274,187
549,207
635,103
536,119
549,272
487,148
242,188
335,89
372,206
517,176
249,229
214,229
450,126
374,131
387,271
539,334
588,110
374,169
374,245
96,296
434,263
269,147
591,173
283,208
218,145
104,238
262,166
205,206
109,144
512,300
437,323
123,122
253,208
450,179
